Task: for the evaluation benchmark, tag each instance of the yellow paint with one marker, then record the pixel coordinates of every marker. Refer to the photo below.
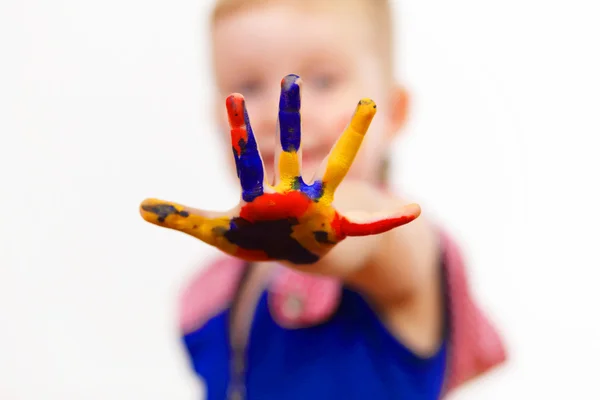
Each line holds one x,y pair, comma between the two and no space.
196,224
289,169
211,227
346,148
317,218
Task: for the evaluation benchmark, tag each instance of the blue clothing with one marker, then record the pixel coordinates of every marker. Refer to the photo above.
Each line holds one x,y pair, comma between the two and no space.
350,356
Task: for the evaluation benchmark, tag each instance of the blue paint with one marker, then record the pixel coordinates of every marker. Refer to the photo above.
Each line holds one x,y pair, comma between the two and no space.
272,237
314,191
323,237
249,165
162,211
289,114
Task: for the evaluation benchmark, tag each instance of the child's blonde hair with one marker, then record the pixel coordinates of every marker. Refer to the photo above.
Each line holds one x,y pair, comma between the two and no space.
377,12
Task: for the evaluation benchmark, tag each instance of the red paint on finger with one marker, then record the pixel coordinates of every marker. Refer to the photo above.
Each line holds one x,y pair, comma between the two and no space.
235,111
337,225
374,228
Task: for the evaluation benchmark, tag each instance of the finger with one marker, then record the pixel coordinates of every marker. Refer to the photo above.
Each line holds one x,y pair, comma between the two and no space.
207,226
249,164
344,151
288,155
375,224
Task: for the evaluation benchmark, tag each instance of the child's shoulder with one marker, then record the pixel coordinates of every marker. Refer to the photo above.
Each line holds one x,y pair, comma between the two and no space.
209,292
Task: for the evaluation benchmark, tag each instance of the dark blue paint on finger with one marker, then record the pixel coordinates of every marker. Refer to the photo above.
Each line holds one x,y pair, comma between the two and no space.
162,211
249,165
289,113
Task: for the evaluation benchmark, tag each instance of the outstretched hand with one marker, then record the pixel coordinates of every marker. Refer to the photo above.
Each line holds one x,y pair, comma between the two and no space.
293,220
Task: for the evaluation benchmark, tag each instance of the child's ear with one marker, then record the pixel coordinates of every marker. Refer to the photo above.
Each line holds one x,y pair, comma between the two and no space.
397,109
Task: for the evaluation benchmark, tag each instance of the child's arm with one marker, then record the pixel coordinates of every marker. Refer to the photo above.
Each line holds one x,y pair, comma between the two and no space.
394,263
297,223
399,271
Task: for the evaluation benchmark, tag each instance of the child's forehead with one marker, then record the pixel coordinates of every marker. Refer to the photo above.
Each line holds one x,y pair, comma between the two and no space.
272,35
292,27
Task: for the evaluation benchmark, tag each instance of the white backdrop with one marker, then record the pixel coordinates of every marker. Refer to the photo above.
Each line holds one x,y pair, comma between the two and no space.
105,103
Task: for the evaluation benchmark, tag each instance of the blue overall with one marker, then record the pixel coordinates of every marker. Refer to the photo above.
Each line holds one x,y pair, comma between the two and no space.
350,356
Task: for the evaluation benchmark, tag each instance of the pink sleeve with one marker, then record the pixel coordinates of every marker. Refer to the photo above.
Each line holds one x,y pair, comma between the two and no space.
475,345
209,292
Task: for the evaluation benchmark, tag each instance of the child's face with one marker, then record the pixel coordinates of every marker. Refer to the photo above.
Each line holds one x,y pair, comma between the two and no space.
333,52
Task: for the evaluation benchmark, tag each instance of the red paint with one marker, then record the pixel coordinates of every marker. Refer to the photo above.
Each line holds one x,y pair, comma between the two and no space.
235,111
251,255
273,206
336,225
236,136
374,228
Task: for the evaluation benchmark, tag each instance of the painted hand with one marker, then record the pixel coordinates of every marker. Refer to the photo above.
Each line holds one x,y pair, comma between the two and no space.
292,221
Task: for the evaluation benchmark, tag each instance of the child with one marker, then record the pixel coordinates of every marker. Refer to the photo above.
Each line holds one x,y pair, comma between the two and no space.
383,316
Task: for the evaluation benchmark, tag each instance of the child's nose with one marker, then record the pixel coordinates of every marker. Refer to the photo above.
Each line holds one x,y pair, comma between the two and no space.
263,111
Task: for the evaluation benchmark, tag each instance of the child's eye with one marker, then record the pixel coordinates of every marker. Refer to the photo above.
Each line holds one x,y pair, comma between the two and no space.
323,82
250,88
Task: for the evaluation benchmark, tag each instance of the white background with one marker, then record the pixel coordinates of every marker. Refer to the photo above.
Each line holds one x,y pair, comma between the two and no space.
105,103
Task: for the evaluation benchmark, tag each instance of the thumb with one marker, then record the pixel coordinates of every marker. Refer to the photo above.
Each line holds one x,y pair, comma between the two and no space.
203,225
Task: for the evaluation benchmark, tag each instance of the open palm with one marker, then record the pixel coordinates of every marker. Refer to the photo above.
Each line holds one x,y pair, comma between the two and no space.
293,220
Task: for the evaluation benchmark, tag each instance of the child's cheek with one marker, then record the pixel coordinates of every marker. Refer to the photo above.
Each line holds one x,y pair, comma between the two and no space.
340,124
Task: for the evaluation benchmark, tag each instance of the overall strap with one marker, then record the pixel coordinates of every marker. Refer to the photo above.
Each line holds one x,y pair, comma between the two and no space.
243,308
